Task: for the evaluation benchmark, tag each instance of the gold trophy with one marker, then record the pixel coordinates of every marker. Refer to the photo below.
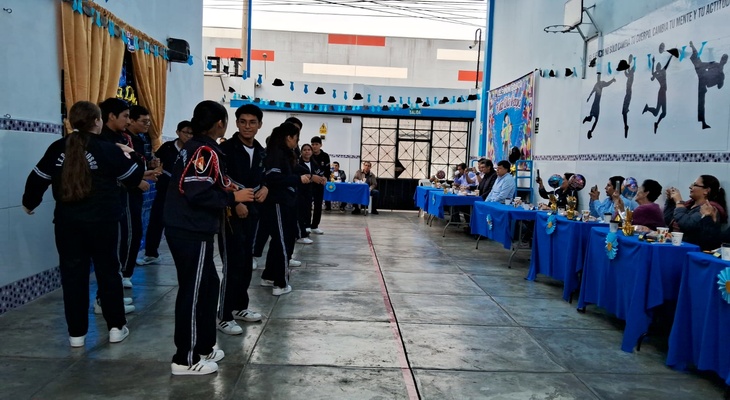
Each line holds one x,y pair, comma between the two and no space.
553,203
628,227
571,201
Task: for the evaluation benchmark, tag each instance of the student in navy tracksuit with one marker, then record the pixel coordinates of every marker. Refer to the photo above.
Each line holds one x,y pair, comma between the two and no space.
83,170
137,131
278,210
305,193
115,113
244,158
196,200
167,154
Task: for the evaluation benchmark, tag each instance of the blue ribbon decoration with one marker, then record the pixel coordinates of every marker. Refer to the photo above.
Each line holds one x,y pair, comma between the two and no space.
552,222
306,87
345,95
291,86
334,93
330,186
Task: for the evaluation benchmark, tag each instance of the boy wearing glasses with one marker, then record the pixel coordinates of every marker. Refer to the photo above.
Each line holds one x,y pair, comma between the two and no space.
244,157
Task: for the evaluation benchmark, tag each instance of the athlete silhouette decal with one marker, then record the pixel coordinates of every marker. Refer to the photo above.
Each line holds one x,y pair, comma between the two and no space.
709,74
629,73
596,107
660,74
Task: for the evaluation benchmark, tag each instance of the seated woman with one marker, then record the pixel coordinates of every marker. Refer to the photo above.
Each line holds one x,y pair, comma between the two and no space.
648,215
686,217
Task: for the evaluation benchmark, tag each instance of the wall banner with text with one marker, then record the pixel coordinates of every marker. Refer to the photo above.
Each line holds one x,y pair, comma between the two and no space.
510,118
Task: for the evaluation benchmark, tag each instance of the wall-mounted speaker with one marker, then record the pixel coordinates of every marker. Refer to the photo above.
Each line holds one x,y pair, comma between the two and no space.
179,50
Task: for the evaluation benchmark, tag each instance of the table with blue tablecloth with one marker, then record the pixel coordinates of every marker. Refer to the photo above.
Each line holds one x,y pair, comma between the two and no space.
438,201
502,219
420,197
560,254
642,276
701,332
353,193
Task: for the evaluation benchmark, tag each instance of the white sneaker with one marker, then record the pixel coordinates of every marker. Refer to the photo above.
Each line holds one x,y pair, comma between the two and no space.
116,335
128,307
305,241
266,283
295,263
318,231
202,367
127,283
215,356
146,260
246,315
77,341
229,328
255,264
309,230
279,291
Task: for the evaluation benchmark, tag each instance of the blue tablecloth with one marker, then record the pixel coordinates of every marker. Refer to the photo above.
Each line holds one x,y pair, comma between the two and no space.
642,276
354,193
420,197
502,216
437,200
560,255
701,332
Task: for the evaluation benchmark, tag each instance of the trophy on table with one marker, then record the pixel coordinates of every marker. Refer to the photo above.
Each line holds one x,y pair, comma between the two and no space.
571,201
553,203
628,227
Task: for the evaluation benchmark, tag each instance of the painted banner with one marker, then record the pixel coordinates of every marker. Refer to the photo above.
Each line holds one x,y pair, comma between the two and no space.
510,118
658,84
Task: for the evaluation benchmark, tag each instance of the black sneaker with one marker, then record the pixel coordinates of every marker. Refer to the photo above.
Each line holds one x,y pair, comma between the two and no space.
356,211
375,212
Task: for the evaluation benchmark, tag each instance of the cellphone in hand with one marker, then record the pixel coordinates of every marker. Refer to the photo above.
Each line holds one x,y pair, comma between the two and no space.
538,173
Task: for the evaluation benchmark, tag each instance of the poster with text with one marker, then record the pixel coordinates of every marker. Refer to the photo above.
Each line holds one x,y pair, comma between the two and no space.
658,84
510,119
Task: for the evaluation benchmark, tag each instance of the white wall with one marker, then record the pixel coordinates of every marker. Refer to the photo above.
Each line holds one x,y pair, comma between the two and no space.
31,87
561,144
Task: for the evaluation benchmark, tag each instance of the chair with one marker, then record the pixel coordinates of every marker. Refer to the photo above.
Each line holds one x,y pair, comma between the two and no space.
424,182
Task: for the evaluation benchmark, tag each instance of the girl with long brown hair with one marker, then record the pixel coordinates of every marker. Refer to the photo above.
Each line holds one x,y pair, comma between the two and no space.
83,171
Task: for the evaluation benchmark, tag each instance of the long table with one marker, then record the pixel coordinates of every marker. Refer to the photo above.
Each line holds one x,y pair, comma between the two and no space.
641,277
353,193
420,196
437,201
560,254
701,327
496,222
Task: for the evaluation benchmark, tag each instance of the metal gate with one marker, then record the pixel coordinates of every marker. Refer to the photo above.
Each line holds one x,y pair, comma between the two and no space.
406,148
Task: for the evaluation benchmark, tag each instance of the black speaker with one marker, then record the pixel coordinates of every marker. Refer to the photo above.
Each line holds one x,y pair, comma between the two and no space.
179,50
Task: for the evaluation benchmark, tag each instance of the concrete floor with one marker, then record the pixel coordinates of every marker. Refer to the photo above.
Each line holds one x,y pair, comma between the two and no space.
462,326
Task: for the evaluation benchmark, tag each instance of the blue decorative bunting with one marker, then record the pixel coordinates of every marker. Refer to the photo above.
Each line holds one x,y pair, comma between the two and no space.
111,28
98,18
291,86
190,59
681,53
209,65
699,52
334,93
609,68
368,97
306,88
345,95
380,99
260,80
648,56
136,43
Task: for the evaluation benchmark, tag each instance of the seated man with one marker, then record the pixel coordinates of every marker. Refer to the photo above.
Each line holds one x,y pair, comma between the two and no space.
606,206
337,174
647,215
365,175
562,191
486,177
464,177
504,187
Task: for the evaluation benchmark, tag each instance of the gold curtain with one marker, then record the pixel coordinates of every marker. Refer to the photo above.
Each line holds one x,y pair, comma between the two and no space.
150,73
92,60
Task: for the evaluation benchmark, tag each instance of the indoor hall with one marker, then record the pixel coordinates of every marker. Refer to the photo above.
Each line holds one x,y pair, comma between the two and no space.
382,307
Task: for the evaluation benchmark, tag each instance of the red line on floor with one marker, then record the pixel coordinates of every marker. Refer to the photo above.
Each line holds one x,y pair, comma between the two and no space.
404,366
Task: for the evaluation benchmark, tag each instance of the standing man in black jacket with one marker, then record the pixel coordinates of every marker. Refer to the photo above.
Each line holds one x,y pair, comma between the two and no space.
244,157
323,159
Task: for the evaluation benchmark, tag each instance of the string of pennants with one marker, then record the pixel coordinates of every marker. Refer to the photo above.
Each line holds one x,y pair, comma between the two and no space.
132,38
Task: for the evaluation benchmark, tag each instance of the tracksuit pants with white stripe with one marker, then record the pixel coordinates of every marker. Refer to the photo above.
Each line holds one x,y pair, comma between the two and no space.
236,243
131,233
280,221
197,297
78,245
